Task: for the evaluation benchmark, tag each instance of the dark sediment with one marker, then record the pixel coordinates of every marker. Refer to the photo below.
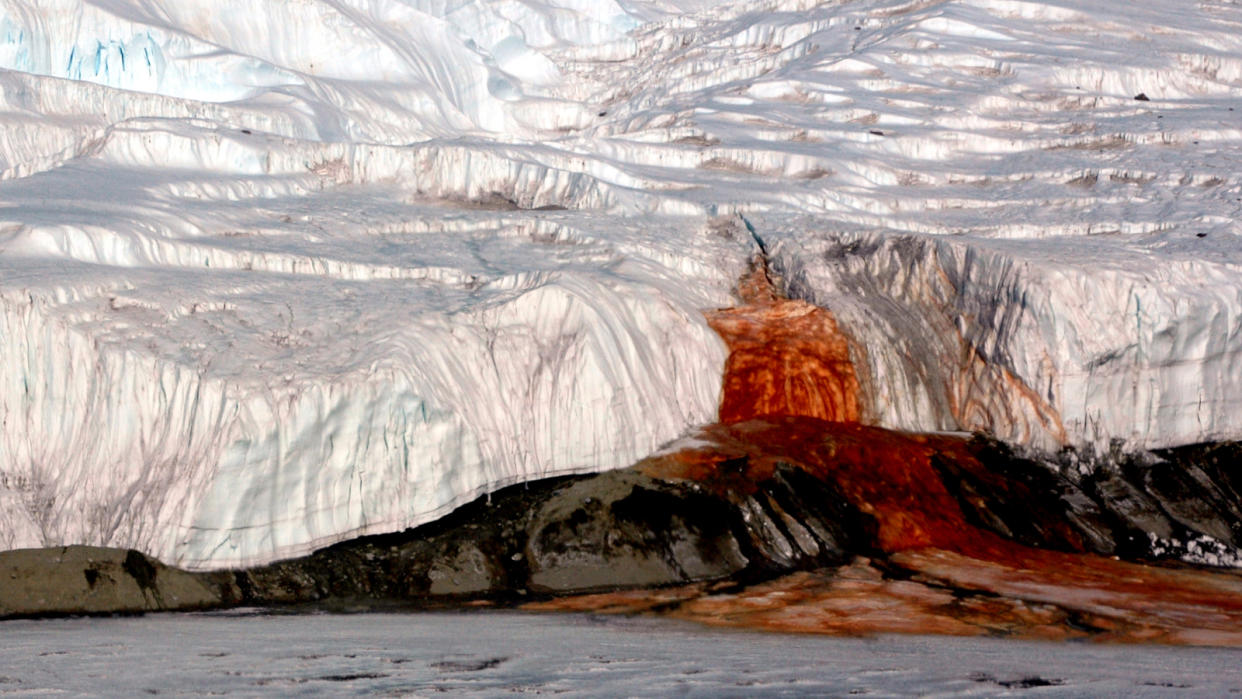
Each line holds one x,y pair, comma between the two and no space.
1169,504
565,535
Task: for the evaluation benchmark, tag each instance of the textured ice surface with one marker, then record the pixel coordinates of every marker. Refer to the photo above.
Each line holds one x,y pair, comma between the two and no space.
503,653
274,274
1067,340
254,392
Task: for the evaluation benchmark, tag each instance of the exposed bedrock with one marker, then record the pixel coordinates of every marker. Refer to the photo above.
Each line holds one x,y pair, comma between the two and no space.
1180,503
616,529
92,580
613,530
739,503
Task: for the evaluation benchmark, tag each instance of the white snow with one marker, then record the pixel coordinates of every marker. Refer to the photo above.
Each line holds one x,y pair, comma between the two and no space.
274,274
499,653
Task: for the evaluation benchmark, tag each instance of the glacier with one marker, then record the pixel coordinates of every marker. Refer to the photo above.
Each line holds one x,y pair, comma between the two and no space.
277,274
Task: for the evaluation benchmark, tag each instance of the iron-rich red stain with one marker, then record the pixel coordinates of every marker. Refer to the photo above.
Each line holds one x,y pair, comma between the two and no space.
786,358
966,580
886,474
791,396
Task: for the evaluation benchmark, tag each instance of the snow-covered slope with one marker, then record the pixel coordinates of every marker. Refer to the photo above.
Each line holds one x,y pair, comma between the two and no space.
274,274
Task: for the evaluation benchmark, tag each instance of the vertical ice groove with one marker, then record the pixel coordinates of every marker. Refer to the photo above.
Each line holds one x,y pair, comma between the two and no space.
211,459
1082,350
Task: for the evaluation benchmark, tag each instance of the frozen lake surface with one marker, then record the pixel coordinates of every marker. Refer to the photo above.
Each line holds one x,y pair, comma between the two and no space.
493,653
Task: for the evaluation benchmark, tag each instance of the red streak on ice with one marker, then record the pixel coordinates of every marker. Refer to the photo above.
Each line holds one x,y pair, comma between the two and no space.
786,358
791,395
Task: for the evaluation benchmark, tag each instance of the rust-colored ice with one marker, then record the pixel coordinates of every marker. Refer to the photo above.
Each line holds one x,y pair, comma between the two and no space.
785,358
791,396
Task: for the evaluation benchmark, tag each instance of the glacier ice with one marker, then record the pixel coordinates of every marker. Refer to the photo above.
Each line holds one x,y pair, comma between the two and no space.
275,274
1041,342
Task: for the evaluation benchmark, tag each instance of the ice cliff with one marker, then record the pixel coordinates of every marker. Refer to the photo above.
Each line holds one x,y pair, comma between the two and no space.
276,274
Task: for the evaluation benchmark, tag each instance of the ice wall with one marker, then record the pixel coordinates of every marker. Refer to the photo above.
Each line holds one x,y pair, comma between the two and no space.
254,394
1087,341
273,274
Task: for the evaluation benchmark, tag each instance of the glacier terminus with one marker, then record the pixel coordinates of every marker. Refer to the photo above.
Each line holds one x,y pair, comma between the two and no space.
278,274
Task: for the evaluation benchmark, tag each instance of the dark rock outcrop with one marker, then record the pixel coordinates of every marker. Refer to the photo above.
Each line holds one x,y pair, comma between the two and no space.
627,529
606,531
1025,501
624,529
1183,503
94,580
737,514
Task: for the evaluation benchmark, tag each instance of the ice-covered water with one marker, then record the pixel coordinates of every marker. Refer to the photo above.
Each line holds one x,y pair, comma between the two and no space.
503,653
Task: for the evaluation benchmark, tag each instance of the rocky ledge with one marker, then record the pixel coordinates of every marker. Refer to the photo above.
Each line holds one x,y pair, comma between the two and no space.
739,508
620,529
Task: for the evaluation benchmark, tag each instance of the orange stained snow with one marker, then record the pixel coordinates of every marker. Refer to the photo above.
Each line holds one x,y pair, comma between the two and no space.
791,396
785,358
